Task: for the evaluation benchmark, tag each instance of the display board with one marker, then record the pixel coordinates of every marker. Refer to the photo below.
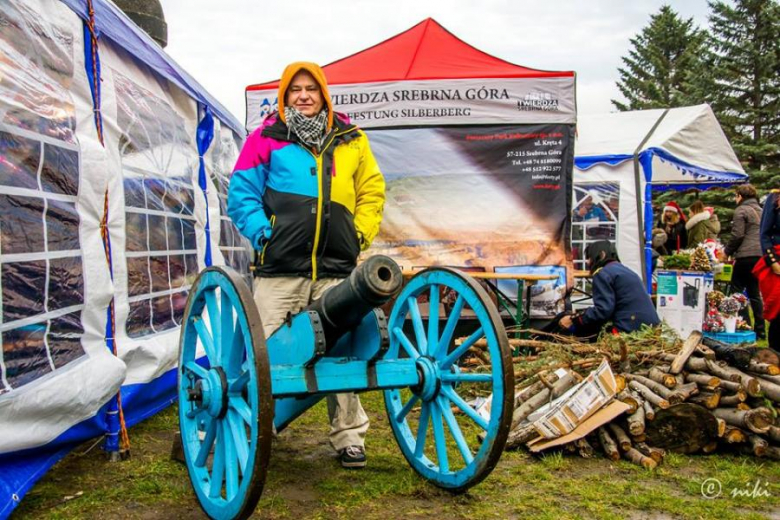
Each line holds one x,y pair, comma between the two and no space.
682,299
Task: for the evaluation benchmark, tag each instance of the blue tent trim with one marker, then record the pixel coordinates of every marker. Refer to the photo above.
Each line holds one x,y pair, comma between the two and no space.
701,178
112,23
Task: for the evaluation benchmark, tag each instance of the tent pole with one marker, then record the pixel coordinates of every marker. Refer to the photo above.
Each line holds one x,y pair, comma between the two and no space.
643,238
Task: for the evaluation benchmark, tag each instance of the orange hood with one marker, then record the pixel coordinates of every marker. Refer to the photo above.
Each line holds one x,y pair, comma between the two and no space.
319,76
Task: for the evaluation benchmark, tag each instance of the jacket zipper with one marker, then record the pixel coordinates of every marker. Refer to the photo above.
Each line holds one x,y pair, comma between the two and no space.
265,246
318,161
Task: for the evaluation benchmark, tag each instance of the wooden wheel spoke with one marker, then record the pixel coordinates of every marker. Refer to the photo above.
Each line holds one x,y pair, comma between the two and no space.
433,319
206,340
449,328
462,349
236,426
218,467
441,441
422,430
455,430
238,384
208,442
196,369
231,469
241,407
464,407
407,408
405,343
419,330
214,320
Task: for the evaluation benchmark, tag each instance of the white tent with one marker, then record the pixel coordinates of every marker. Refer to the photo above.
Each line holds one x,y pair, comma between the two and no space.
622,157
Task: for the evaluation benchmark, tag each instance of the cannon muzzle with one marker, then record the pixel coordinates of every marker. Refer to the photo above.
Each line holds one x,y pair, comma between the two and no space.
372,284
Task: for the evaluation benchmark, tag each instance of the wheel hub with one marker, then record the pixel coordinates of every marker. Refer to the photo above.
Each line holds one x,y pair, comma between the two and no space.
211,393
430,378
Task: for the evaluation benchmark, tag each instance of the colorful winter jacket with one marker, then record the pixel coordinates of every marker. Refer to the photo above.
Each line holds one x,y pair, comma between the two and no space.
307,214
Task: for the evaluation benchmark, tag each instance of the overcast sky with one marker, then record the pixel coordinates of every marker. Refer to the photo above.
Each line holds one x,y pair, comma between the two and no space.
229,44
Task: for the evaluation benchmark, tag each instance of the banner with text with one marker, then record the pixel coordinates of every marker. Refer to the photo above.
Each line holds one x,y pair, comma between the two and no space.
441,102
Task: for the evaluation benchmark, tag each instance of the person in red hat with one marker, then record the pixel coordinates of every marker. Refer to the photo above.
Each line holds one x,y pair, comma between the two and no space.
673,223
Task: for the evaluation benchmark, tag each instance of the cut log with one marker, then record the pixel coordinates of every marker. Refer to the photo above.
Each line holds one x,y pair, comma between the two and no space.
710,448
774,434
657,454
734,435
648,394
639,438
757,445
683,392
704,380
743,406
584,447
649,410
626,397
730,401
636,422
620,383
749,383
661,377
620,435
709,400
771,379
772,452
608,444
528,392
731,386
770,390
682,428
763,368
721,426
532,404
521,436
657,388
758,420
693,341
706,351
642,460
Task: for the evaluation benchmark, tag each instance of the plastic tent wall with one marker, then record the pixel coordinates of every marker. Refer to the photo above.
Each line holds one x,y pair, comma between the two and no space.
476,152
622,157
113,170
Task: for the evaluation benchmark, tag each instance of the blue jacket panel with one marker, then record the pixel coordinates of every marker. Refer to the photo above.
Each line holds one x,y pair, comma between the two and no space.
770,228
619,296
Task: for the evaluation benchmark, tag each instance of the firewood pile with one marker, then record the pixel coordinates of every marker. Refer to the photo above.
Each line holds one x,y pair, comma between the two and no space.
696,396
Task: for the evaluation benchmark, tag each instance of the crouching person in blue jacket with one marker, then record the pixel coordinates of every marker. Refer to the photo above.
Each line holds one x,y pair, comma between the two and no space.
619,296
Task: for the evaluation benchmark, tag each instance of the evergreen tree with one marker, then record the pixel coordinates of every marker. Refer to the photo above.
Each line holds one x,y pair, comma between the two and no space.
660,66
746,85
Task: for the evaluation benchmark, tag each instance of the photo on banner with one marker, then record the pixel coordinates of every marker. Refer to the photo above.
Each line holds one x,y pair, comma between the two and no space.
475,196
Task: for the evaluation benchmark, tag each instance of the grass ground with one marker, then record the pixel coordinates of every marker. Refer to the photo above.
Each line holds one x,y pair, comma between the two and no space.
305,481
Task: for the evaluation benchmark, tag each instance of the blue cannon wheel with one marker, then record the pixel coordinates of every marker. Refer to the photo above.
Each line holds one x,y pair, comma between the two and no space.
440,433
225,400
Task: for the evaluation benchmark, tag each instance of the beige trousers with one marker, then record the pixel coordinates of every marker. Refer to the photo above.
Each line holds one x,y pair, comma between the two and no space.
277,296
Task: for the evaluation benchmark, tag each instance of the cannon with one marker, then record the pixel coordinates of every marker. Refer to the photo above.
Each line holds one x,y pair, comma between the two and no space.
236,387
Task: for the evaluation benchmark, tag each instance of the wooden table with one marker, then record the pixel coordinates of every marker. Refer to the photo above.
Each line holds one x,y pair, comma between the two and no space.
520,316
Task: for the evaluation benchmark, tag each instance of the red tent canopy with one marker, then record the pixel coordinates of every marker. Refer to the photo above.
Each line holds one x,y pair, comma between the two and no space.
427,51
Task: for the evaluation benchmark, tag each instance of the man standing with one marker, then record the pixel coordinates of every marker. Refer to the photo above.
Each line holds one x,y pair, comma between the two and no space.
745,247
308,194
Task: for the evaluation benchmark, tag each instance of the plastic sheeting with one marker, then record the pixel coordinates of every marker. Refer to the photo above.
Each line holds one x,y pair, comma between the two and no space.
41,280
59,185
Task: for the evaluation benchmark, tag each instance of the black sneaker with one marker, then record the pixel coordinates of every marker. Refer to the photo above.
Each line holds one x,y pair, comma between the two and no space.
353,457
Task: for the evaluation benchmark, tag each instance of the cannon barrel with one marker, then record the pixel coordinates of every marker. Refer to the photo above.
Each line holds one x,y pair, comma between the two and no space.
372,284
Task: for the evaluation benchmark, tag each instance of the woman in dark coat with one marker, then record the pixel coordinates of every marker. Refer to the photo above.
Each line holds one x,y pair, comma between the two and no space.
619,296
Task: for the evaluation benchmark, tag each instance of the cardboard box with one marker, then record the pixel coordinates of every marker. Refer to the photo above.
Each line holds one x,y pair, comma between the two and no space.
600,418
564,414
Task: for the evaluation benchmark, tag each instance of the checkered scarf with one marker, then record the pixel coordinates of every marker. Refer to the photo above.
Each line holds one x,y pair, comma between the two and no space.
310,130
